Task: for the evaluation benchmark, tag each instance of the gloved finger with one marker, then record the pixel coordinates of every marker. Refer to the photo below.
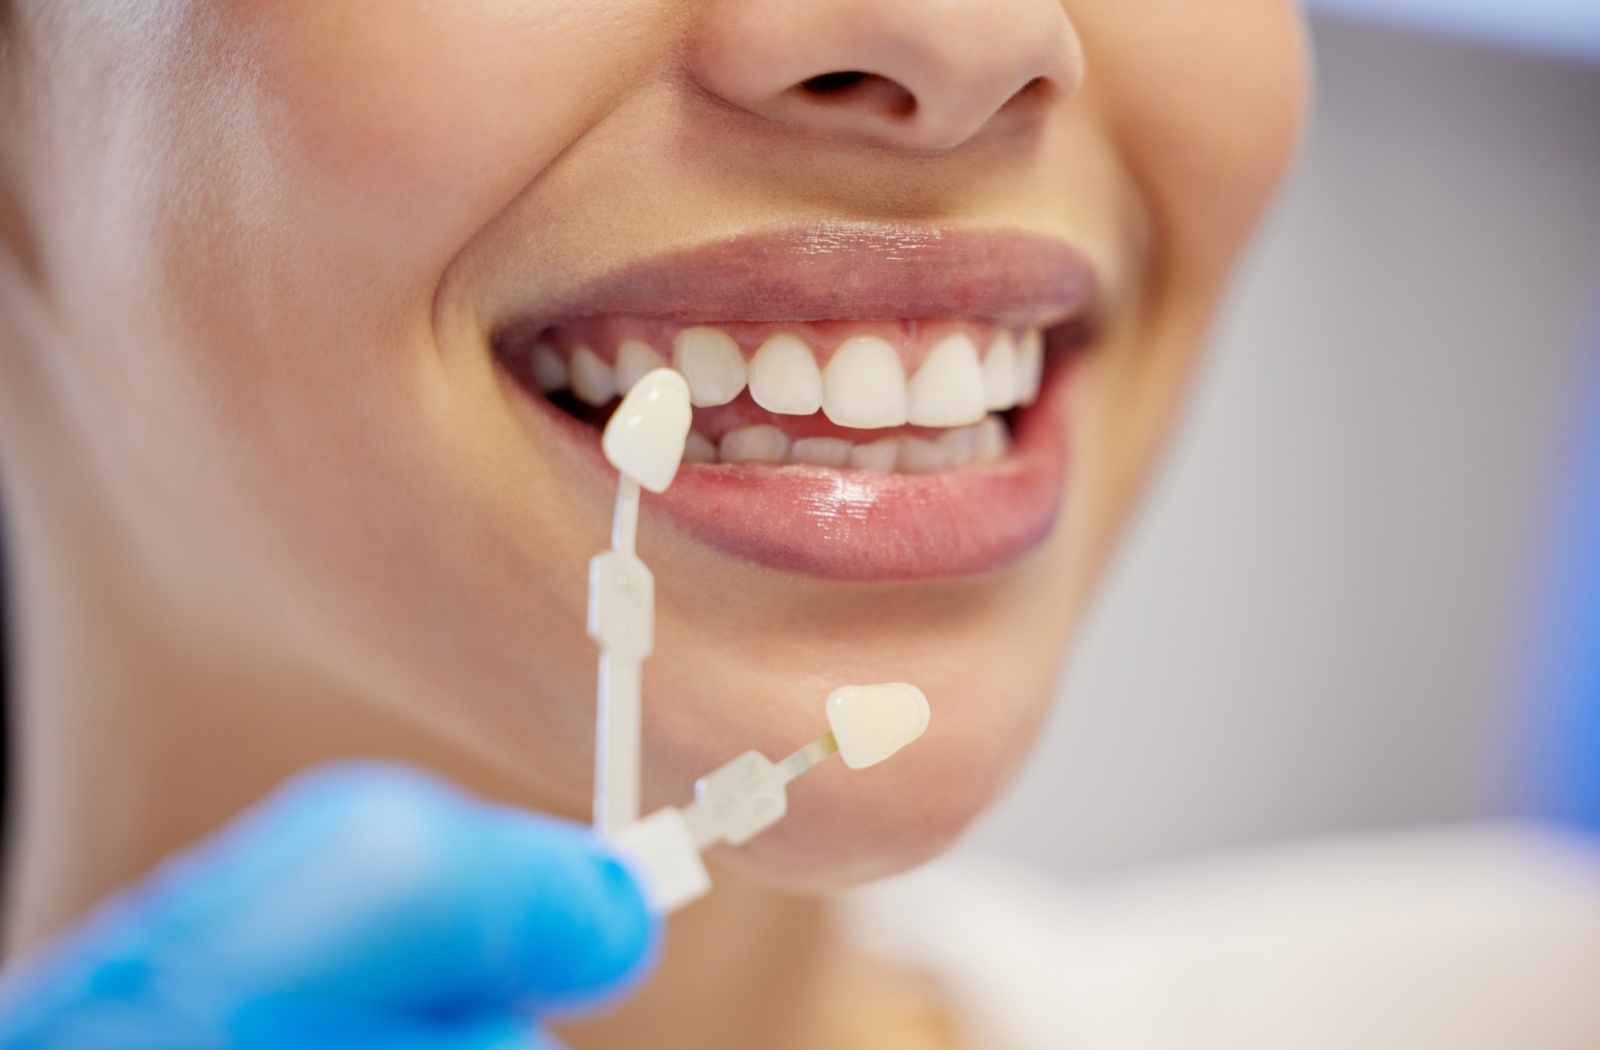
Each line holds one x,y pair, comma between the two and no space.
297,1026
371,886
306,1024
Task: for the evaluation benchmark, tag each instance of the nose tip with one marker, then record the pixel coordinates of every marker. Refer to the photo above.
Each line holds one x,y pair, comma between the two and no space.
908,74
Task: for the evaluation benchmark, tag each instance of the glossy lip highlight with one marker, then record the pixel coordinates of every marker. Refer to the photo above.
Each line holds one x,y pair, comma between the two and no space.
854,525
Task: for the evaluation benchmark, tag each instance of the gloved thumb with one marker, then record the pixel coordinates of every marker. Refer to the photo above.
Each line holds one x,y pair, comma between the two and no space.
370,893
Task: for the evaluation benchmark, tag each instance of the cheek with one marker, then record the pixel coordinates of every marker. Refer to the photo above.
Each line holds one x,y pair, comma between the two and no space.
428,118
1206,103
311,182
317,167
384,135
364,143
330,158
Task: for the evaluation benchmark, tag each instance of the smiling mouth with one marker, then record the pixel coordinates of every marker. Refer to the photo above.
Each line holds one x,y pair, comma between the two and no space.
870,402
910,396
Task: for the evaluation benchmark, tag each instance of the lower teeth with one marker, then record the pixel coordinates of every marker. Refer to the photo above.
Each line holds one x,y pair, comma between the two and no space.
984,442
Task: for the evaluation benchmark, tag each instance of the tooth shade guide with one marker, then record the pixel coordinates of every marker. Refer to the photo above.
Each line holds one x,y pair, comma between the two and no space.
872,722
644,441
748,794
646,436
808,756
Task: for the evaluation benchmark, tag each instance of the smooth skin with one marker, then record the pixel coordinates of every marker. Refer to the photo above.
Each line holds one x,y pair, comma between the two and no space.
270,501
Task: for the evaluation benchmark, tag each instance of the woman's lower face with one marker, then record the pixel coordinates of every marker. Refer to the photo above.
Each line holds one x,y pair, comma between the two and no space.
342,290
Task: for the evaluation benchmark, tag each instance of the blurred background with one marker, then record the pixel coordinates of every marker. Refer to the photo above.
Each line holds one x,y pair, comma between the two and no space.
1327,619
1329,615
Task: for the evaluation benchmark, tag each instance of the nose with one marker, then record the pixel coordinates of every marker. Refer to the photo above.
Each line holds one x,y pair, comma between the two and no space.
909,74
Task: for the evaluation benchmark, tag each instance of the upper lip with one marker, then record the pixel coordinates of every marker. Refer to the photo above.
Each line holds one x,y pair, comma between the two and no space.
840,271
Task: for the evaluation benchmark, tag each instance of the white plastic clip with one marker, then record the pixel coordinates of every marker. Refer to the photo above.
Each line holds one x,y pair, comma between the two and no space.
644,441
744,797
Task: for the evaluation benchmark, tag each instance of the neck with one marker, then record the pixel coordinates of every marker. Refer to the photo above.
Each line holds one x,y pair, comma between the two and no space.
132,741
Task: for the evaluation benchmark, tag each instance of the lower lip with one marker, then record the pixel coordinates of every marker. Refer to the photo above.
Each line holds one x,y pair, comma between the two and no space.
853,525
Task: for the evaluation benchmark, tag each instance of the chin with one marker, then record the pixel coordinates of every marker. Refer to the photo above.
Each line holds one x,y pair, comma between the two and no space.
847,826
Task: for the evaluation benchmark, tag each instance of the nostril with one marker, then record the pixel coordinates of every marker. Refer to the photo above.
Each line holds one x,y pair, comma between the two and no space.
833,83
867,91
1035,93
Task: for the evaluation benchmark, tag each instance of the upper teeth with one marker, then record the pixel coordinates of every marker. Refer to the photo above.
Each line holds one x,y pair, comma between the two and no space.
1000,378
948,390
635,360
863,386
592,379
784,377
710,360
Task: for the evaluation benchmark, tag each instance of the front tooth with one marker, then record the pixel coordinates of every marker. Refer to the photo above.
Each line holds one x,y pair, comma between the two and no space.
757,444
877,457
1030,366
697,448
920,456
784,377
549,368
948,389
992,441
592,379
1000,373
634,359
960,445
864,385
710,360
821,451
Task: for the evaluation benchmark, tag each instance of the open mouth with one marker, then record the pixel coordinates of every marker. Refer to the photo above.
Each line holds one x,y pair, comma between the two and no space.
926,442
911,397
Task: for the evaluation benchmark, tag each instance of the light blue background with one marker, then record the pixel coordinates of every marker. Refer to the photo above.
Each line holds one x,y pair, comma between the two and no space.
1569,27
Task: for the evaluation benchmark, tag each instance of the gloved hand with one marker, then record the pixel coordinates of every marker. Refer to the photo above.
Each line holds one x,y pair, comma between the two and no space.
361,907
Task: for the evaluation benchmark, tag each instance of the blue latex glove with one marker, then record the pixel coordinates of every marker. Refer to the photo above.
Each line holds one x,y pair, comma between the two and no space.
361,907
